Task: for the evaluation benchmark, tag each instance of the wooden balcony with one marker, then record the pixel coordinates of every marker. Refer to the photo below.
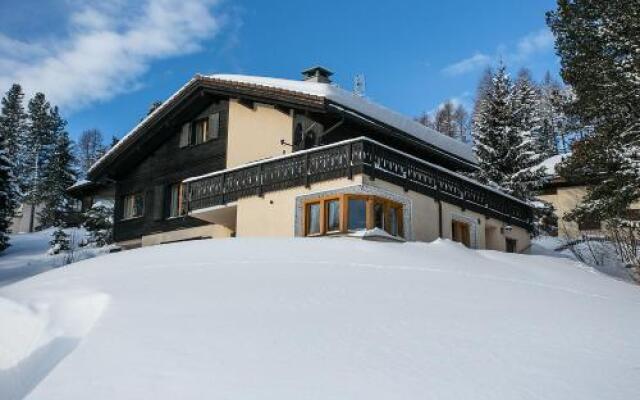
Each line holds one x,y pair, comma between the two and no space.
345,159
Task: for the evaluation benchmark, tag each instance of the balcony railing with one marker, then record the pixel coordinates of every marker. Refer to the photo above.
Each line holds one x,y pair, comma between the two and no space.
345,159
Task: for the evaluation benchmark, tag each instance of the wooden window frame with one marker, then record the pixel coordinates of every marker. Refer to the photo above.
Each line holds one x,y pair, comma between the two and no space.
343,199
306,218
180,205
124,206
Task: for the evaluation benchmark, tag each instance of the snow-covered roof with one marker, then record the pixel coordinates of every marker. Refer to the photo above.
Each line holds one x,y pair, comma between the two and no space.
552,162
331,93
362,105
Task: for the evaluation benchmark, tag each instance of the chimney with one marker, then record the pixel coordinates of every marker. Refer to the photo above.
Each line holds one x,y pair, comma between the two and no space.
317,74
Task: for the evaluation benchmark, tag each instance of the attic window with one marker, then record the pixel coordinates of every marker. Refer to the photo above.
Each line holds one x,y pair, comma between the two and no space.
200,131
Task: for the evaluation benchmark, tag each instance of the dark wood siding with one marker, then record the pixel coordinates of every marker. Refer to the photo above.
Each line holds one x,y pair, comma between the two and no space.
163,166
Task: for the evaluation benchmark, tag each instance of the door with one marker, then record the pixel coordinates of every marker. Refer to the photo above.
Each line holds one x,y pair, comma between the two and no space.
461,232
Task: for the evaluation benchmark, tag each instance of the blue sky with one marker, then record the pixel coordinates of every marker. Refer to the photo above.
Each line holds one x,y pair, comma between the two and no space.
105,61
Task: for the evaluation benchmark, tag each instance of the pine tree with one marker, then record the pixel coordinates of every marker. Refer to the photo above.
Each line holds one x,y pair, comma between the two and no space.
58,175
60,241
37,142
504,121
8,192
599,46
13,125
98,221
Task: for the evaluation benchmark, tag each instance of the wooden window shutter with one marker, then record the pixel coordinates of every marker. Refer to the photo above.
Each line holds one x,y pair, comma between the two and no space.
158,202
214,126
185,135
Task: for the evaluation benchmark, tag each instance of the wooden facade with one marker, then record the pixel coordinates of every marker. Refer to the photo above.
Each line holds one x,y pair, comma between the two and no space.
164,166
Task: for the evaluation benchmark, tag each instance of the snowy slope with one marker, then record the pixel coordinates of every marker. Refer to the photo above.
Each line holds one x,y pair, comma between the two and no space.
28,256
319,319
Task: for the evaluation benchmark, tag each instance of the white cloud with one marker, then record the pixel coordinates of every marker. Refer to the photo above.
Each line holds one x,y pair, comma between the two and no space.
472,63
109,47
533,43
536,42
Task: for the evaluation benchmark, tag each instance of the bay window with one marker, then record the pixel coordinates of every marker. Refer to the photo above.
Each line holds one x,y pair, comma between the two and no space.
348,213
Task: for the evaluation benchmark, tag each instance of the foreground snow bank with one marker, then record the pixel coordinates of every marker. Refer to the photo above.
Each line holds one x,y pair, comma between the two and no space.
328,318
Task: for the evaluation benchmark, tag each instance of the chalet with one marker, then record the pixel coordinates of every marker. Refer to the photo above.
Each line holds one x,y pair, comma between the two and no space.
566,193
233,155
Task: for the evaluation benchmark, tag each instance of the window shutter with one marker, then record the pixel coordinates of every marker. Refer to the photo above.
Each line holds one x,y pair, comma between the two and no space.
214,126
184,135
158,202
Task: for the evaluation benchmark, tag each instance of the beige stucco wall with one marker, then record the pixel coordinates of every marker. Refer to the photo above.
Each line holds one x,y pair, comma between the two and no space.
565,200
213,231
255,133
274,214
424,221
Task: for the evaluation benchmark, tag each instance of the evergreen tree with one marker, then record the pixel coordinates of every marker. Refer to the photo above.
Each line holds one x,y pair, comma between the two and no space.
599,46
13,125
504,121
8,192
58,175
60,241
98,221
37,142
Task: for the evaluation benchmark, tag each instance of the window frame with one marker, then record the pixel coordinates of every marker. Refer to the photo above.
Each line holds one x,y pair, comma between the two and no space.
343,204
125,202
307,215
170,204
195,139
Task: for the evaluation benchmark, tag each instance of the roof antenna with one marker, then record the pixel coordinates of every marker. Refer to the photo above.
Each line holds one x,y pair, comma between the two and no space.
359,85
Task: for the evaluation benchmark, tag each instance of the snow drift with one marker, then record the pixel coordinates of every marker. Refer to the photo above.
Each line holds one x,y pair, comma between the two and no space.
319,319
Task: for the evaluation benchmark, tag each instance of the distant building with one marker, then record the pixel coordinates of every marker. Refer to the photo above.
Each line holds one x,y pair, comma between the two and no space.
233,155
566,194
26,218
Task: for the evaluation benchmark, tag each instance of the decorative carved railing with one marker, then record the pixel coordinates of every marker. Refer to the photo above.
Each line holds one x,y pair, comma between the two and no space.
344,160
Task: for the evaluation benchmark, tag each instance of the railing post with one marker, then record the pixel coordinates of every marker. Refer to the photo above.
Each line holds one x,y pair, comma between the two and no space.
350,161
407,165
373,162
223,184
306,170
260,192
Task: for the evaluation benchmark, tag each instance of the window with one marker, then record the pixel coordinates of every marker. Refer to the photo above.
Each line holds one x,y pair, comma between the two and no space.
175,200
333,215
313,219
511,245
352,213
378,215
393,222
589,224
133,206
460,232
357,218
200,131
